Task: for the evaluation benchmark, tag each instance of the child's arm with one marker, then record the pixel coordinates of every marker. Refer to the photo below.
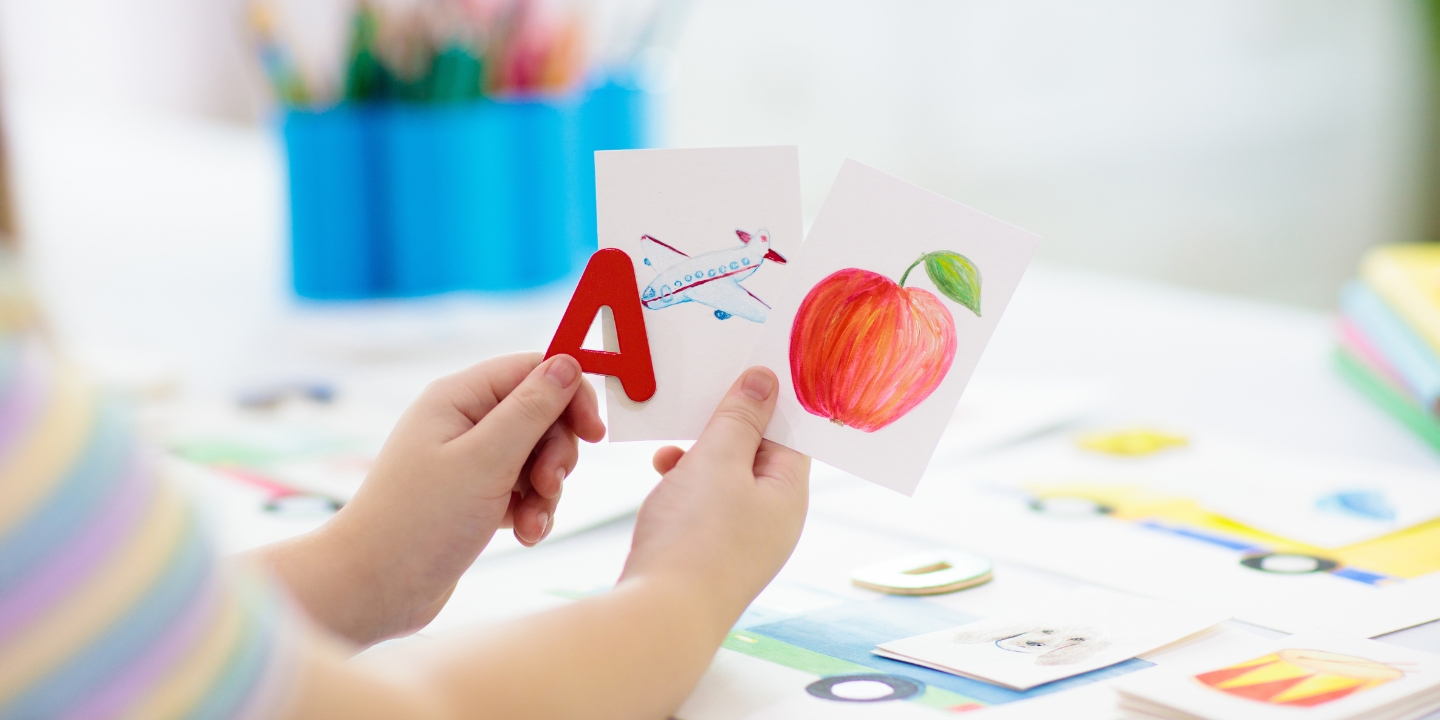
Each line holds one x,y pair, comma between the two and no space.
715,530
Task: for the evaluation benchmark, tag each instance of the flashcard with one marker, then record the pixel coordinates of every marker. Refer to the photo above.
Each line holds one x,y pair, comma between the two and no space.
710,232
1069,634
890,303
1315,675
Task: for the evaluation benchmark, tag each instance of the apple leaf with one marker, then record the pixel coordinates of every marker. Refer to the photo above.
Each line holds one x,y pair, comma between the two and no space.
957,277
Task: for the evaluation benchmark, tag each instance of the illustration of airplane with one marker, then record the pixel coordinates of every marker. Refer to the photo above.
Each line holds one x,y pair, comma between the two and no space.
711,279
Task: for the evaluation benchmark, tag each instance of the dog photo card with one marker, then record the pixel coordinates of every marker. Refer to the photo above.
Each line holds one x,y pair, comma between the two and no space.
1069,634
888,307
711,233
1314,675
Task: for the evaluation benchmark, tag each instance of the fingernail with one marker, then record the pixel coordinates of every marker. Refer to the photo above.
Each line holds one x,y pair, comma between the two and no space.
544,519
562,372
560,474
757,386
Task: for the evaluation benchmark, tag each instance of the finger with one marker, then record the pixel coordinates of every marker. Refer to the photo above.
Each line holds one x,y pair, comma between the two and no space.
476,390
666,458
583,414
533,518
555,458
733,434
503,440
509,520
777,462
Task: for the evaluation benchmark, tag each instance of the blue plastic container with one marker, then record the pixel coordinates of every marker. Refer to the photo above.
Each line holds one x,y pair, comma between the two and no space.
401,200
548,148
448,179
338,248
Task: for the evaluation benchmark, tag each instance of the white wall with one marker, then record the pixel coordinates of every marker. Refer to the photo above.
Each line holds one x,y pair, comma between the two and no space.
1254,146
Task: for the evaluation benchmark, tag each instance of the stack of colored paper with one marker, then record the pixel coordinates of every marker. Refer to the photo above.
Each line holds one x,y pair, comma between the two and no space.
1390,334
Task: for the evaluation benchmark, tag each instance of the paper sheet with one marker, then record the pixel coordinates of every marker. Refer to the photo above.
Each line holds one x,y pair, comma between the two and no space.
709,231
1063,636
872,351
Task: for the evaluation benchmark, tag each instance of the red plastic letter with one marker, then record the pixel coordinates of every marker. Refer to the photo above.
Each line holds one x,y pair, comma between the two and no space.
609,281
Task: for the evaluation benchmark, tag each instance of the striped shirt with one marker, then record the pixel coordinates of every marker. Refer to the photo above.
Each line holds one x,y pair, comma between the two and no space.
112,602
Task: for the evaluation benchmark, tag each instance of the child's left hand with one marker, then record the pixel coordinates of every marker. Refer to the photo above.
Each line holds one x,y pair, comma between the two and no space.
482,449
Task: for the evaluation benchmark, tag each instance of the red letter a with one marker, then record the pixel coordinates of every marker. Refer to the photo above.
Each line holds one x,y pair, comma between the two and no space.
609,281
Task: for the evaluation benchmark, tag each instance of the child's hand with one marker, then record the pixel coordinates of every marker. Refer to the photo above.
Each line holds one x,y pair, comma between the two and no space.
727,514
479,450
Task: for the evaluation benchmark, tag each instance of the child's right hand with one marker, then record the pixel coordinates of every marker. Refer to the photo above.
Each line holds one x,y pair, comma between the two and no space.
727,514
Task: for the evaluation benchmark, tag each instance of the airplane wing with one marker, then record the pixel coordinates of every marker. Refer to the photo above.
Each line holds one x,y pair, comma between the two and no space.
659,255
731,298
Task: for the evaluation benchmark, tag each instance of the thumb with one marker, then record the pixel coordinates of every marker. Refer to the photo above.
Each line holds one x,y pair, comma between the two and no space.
507,434
733,434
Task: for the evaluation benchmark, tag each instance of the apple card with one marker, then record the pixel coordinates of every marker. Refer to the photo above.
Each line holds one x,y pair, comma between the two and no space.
1069,634
888,307
1315,675
710,232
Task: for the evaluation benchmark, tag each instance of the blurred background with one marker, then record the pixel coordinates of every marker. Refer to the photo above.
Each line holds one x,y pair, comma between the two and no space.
1249,147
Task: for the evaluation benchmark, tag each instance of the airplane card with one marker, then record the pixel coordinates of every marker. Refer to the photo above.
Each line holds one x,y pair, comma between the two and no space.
1314,675
710,232
889,305
1066,635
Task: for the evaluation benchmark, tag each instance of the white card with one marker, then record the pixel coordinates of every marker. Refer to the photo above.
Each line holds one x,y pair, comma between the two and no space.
708,231
870,373
1069,634
1314,675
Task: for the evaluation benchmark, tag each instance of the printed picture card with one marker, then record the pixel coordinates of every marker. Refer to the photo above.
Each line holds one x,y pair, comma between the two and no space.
1315,675
887,309
1069,634
711,233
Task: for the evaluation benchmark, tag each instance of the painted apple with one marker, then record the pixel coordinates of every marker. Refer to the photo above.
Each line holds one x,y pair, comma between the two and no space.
865,350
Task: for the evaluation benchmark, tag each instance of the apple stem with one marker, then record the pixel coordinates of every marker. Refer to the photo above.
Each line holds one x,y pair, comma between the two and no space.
912,267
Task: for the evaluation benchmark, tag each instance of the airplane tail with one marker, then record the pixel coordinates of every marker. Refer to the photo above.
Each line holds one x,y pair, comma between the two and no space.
761,238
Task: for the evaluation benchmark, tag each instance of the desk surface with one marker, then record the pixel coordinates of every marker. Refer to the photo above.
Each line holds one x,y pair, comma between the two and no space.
197,213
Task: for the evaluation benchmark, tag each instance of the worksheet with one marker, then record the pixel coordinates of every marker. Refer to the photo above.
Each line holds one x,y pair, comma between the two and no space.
1062,636
711,233
888,307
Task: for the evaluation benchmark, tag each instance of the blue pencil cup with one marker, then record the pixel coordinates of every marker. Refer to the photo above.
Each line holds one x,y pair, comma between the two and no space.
449,184
403,200
338,249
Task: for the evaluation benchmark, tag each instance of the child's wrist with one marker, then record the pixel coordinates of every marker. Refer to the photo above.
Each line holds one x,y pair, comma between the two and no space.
701,593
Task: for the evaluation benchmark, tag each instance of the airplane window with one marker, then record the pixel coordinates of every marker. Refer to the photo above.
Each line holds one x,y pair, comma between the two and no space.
734,266
744,261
